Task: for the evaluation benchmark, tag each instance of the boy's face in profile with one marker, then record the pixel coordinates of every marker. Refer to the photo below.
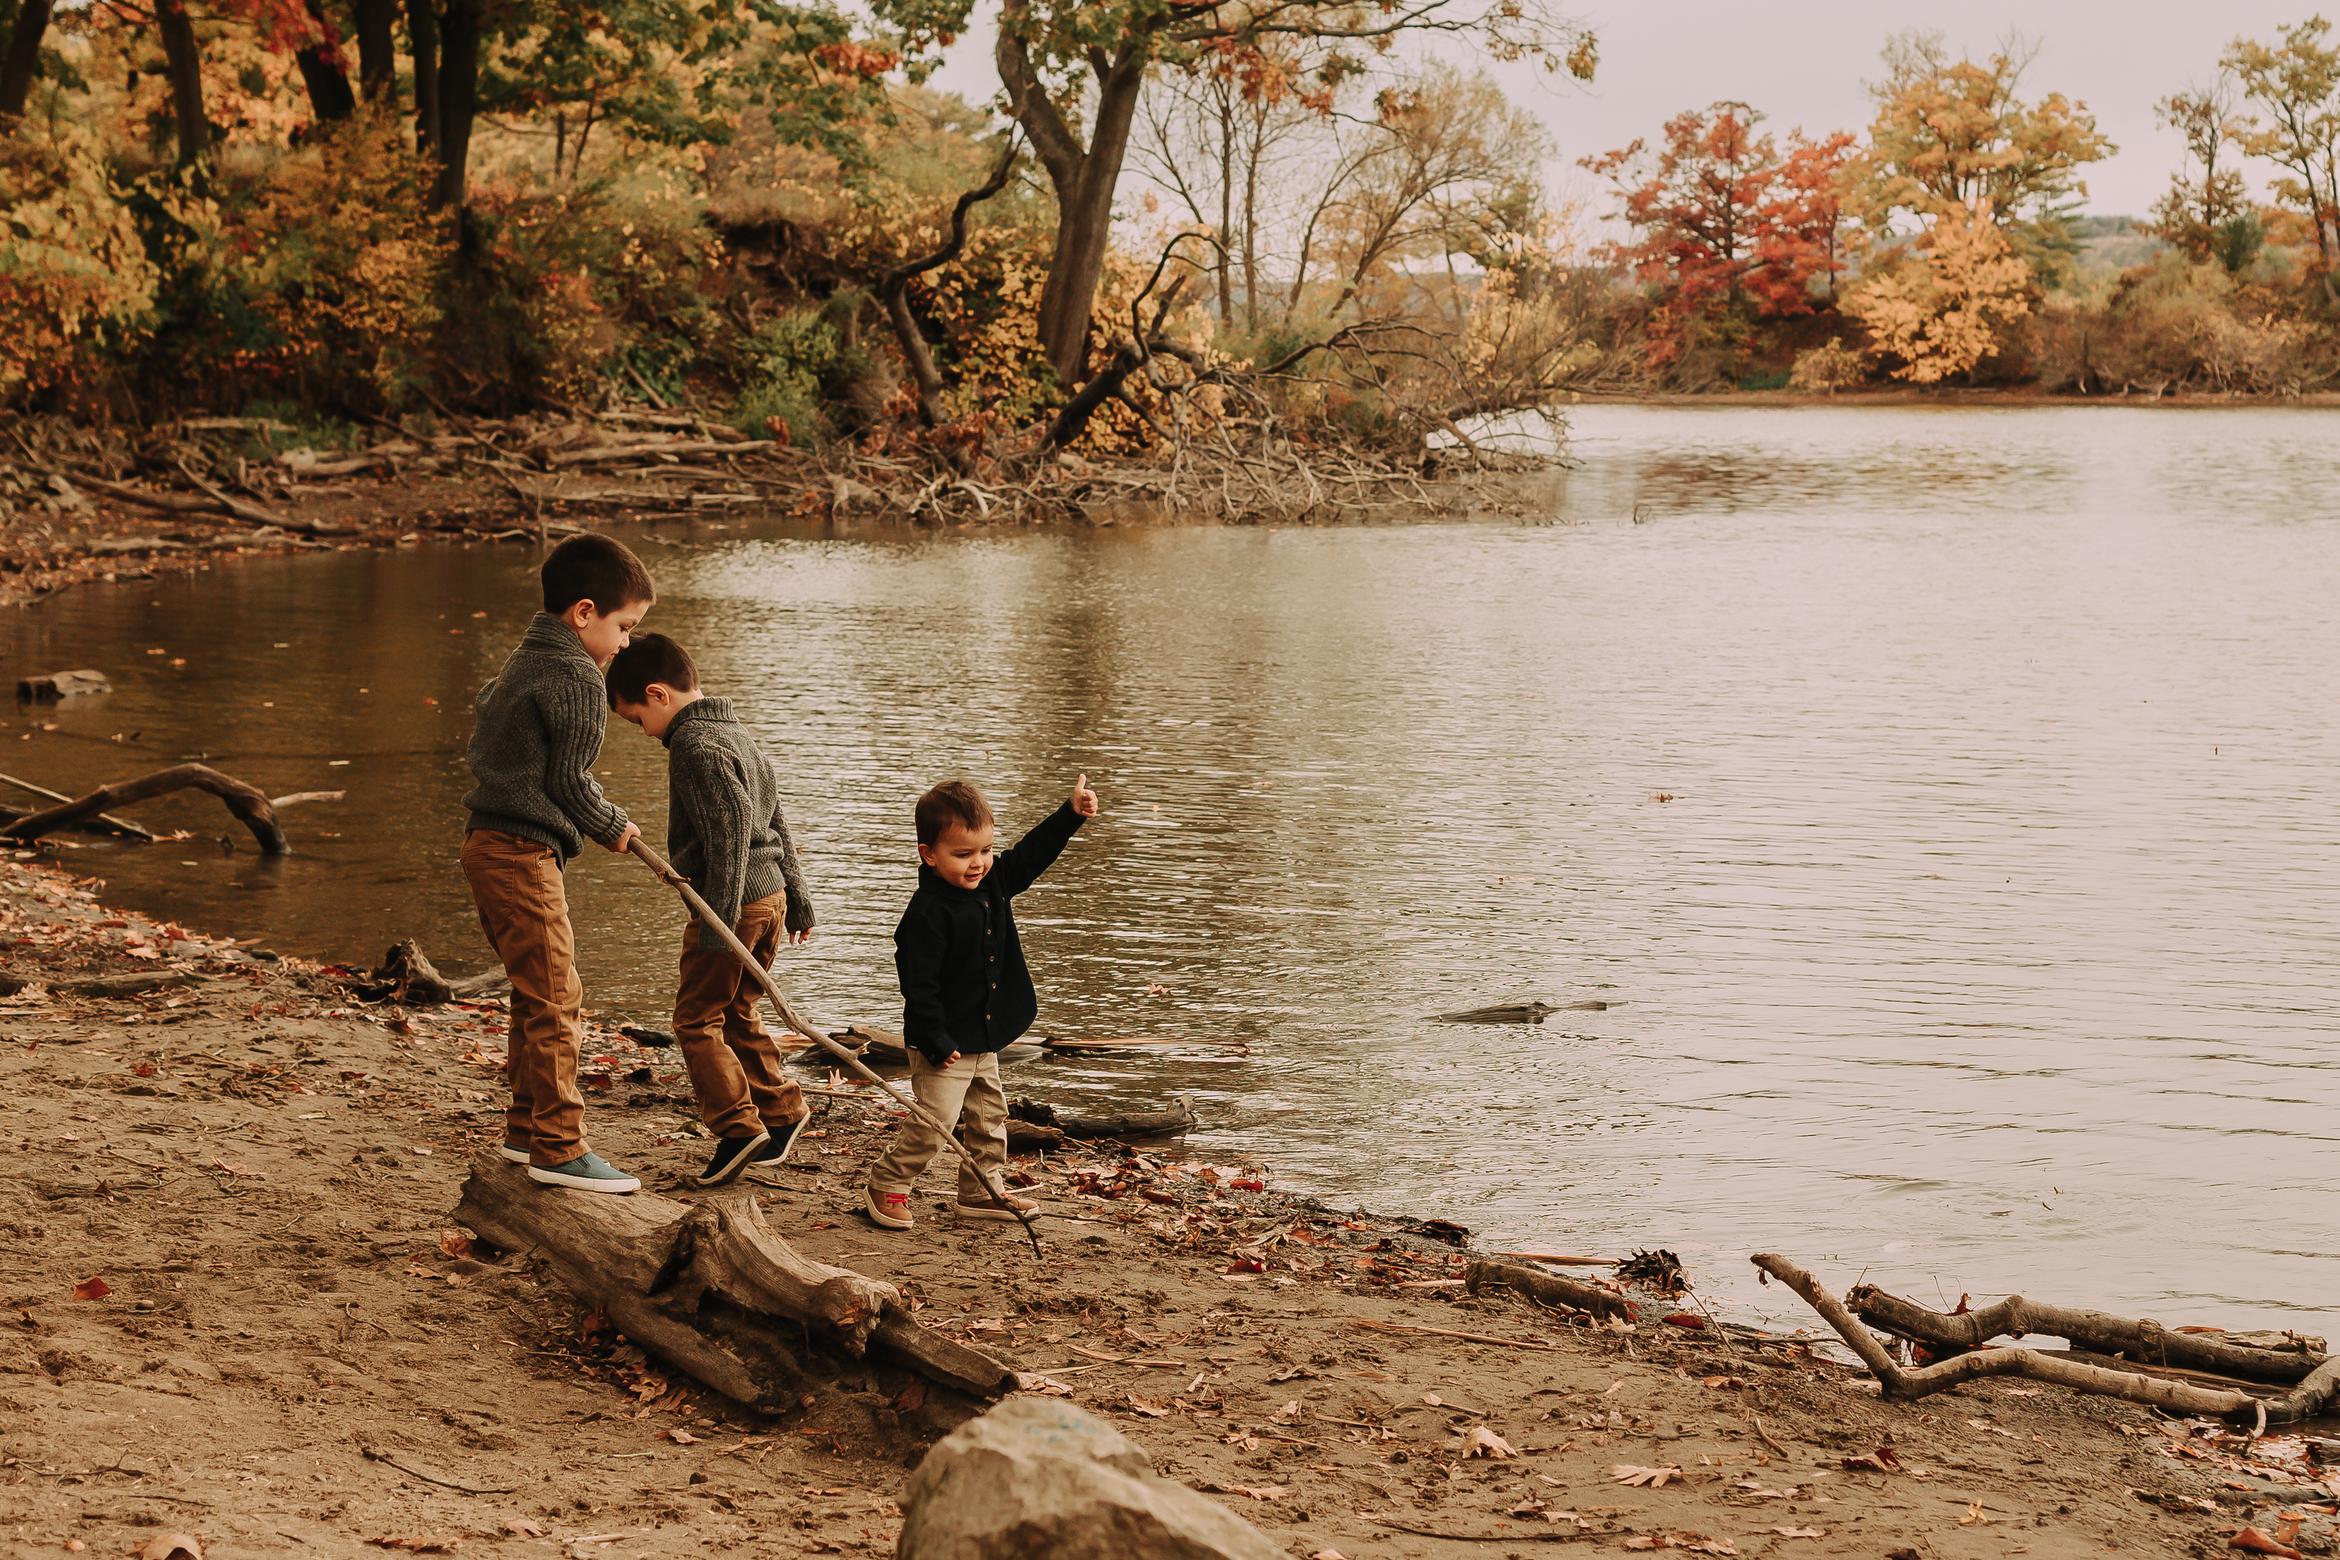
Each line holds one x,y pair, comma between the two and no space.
962,856
656,711
605,633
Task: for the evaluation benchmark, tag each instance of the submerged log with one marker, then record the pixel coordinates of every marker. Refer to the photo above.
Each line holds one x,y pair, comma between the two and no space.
711,1289
245,802
1173,1120
1520,1012
103,823
54,686
1548,1288
2138,1342
1901,1383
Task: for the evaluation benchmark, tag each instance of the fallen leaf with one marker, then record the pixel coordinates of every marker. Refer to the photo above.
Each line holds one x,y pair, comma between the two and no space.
1483,1442
93,1289
1041,1386
1259,1491
1150,1410
1291,1411
680,1436
1650,1478
2252,1541
172,1546
1974,1514
455,1243
521,1527
1882,1460
2287,1526
1690,1320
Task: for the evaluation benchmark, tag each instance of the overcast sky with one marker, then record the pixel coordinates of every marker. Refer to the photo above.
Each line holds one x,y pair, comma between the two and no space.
1804,62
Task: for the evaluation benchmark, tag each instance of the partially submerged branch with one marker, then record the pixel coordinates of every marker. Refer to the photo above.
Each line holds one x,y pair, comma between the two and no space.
247,803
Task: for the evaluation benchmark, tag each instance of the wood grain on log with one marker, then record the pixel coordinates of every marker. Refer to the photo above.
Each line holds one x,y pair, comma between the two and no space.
1550,1288
704,1286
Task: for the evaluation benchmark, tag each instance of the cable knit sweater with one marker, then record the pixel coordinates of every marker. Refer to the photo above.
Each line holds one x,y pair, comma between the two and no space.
539,727
723,826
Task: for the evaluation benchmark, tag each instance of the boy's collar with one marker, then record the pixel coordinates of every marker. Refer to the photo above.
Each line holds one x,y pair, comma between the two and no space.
704,707
929,878
552,633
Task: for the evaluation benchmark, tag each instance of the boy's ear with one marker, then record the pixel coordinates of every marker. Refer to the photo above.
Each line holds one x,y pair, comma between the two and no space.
580,612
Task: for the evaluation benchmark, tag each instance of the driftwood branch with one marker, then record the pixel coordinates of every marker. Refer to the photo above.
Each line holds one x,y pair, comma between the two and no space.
244,801
711,1289
2284,1359
1901,1383
104,823
1548,1288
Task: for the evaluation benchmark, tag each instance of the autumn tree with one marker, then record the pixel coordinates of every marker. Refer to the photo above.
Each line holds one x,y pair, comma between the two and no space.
1939,312
1074,72
2205,201
1956,136
2293,88
1726,227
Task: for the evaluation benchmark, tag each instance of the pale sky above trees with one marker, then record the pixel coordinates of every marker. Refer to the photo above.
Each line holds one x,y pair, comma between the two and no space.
1807,62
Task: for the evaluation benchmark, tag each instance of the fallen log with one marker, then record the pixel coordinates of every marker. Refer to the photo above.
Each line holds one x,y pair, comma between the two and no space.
407,976
1902,1383
1519,1012
1174,1120
1548,1288
711,1289
53,686
103,823
245,802
2137,1342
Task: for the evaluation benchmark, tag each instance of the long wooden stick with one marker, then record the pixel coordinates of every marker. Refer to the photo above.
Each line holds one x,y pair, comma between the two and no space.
121,826
2142,1342
242,800
811,1031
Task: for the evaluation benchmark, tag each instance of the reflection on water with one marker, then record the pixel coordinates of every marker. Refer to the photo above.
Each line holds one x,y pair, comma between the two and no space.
1988,939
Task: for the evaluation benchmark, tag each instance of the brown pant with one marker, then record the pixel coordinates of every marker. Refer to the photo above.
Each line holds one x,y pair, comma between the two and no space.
735,1068
525,912
965,1096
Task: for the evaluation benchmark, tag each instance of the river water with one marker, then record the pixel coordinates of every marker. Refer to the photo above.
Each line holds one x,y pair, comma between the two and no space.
1942,800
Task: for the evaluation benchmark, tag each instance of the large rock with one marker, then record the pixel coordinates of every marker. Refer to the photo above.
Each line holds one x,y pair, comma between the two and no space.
1036,1476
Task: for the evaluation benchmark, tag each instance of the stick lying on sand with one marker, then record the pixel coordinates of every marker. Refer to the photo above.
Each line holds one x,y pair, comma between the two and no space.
813,1032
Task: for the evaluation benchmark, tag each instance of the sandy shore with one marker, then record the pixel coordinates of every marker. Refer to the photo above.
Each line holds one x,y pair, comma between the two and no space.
233,1274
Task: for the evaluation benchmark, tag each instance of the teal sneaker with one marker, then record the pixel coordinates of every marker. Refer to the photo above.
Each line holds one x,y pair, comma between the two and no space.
517,1153
586,1173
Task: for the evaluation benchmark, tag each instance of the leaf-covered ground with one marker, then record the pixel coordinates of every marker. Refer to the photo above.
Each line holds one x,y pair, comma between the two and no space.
235,1309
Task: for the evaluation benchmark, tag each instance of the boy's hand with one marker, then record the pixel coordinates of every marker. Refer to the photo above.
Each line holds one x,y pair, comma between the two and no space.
626,840
804,936
1084,800
954,1056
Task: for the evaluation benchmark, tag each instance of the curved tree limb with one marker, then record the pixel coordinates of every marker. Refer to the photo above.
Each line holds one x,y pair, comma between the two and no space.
894,285
245,802
2144,1342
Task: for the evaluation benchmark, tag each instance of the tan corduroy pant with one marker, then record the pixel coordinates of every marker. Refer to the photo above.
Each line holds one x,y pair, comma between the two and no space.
965,1095
524,910
735,1067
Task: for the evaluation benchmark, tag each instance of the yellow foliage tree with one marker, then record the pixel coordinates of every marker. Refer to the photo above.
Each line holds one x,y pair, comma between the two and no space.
75,280
1939,308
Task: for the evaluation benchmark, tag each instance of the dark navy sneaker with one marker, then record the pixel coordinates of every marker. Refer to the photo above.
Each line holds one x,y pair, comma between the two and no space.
731,1157
586,1173
781,1137
517,1153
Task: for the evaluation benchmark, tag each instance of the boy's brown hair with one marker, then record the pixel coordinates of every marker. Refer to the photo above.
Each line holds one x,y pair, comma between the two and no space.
649,658
596,569
953,801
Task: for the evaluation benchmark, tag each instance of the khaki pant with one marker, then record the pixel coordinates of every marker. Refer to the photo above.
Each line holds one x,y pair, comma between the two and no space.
965,1095
735,1068
524,910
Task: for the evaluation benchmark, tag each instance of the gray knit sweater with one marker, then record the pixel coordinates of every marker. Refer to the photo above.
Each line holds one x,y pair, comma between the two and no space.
723,826
539,728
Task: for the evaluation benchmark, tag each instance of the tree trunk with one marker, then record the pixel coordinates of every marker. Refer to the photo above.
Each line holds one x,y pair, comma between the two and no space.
1084,179
1251,221
330,99
458,99
422,27
184,62
1226,207
23,60
377,51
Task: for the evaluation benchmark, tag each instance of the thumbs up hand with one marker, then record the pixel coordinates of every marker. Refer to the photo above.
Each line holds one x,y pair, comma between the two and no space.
1084,800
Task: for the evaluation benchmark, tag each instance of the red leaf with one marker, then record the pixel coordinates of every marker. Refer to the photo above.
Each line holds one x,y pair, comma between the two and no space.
1687,1319
92,1289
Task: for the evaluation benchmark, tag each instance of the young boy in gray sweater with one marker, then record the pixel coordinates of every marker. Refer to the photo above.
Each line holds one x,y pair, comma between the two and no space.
539,728
724,832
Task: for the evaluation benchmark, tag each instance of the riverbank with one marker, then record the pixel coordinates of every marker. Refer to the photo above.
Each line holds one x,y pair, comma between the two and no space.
241,1310
1954,397
79,504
